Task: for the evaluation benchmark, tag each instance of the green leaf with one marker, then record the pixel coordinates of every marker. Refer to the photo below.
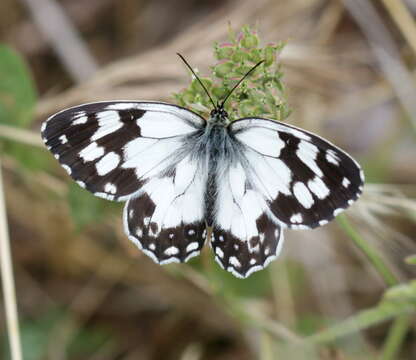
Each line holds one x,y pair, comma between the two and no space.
17,91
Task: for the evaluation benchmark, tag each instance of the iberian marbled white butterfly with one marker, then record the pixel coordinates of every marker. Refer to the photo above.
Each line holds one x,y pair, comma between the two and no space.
181,174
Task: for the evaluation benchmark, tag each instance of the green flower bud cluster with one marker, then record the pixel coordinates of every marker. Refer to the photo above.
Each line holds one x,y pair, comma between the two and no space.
261,94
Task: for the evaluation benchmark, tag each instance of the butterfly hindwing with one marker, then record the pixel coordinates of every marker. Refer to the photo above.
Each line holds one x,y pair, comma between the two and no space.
112,148
305,180
245,235
166,220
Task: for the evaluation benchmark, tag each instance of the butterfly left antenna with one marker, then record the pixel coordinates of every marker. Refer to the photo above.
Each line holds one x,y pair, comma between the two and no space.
199,80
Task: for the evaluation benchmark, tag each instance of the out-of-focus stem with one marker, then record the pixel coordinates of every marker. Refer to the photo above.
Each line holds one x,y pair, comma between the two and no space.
7,278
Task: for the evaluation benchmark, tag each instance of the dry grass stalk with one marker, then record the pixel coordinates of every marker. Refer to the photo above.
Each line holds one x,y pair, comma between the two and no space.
9,291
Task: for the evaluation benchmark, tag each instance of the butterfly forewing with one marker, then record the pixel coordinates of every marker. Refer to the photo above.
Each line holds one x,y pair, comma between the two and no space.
112,148
305,180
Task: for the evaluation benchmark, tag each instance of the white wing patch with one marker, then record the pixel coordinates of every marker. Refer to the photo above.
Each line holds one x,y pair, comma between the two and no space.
150,156
154,124
269,144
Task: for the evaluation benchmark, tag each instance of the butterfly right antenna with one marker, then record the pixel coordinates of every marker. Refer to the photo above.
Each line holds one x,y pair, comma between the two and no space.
236,85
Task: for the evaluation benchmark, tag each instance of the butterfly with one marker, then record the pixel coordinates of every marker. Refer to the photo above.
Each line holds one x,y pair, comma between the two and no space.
187,180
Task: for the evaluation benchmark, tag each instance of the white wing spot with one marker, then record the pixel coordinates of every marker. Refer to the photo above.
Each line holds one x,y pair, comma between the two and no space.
219,252
332,157
338,211
303,195
318,187
252,261
307,153
110,188
295,218
146,221
234,261
56,156
81,183
323,222
131,213
192,246
191,232
122,106
299,134
91,152
43,127
221,238
67,169
108,163
345,182
63,139
104,195
173,250
109,122
152,246
267,251
80,120
139,232
236,247
299,227
204,234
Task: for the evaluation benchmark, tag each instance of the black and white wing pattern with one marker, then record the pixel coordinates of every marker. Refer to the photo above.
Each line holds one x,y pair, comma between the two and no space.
245,237
137,151
305,180
248,180
276,177
166,219
112,148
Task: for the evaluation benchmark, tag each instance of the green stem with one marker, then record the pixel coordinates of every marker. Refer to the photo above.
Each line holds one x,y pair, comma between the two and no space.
363,320
376,260
395,337
401,324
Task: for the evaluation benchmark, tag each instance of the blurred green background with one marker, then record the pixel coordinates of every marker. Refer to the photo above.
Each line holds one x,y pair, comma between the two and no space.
343,291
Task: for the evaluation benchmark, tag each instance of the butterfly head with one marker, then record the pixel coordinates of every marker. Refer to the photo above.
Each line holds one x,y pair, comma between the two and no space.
219,116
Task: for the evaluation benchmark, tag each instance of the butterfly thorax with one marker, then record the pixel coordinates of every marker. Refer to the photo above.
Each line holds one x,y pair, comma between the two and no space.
219,116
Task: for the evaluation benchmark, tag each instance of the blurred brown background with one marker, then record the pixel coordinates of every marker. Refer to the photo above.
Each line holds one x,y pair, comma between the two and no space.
84,292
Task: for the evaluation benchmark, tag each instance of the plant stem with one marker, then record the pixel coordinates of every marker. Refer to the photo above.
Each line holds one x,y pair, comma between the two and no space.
23,136
363,320
9,291
404,20
395,337
376,260
401,324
